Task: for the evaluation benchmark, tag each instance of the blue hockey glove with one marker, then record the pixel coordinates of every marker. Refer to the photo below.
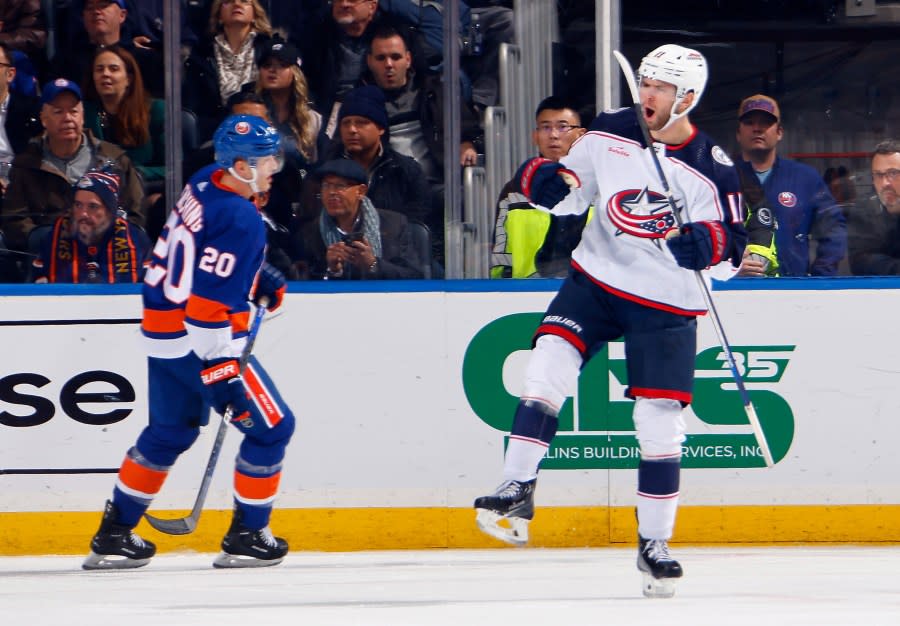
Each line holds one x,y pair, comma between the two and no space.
270,284
546,182
698,245
224,387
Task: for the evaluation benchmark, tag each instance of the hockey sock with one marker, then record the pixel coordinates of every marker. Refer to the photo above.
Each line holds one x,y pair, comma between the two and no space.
138,482
534,427
657,502
255,488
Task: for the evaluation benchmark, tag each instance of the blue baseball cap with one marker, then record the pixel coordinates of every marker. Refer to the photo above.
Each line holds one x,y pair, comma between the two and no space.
56,87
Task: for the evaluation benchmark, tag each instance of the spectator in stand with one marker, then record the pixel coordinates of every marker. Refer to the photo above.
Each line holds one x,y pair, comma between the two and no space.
530,243
40,186
352,239
283,88
91,242
18,117
147,31
395,181
492,23
336,55
874,226
803,206
224,61
104,25
22,27
117,109
414,104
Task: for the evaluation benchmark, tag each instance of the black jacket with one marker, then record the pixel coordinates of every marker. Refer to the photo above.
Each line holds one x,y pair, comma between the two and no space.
22,121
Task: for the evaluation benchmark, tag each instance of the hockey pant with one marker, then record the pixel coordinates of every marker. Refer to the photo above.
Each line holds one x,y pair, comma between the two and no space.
550,378
177,410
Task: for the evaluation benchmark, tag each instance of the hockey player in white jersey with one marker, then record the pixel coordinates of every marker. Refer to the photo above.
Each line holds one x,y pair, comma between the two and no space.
632,277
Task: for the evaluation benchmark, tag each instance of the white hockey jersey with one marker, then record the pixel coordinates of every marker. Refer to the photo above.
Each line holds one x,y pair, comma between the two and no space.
623,248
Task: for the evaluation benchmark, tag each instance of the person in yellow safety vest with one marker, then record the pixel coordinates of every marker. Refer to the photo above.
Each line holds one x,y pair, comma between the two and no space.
530,243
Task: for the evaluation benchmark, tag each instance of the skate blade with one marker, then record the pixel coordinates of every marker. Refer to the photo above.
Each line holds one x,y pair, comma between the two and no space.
101,562
658,587
234,561
514,530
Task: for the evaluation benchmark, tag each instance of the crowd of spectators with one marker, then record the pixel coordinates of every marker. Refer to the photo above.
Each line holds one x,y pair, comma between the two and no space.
353,80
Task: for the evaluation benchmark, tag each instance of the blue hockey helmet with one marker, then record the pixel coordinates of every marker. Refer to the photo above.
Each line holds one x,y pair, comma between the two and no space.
245,137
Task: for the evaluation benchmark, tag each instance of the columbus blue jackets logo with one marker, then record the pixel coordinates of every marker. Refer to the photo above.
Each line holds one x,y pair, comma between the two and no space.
641,213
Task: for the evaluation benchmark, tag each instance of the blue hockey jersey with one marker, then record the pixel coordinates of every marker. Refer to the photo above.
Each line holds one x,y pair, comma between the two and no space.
203,271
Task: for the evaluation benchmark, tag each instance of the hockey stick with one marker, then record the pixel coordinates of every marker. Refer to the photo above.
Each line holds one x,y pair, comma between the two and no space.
187,525
707,296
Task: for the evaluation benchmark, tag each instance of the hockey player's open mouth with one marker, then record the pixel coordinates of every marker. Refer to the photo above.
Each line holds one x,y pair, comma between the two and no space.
649,113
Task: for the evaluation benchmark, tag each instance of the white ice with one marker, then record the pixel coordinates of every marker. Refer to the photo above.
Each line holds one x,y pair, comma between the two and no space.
733,586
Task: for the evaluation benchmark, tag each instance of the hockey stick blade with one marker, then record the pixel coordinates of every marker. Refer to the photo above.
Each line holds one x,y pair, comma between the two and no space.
187,525
749,410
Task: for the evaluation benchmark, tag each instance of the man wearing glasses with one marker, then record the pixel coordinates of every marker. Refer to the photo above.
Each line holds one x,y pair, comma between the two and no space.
804,207
536,244
874,229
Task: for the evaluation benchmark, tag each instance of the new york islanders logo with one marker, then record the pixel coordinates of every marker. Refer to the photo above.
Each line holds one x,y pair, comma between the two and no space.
788,199
641,213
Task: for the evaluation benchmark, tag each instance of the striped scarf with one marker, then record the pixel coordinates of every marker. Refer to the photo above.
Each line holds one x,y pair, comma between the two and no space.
115,261
370,227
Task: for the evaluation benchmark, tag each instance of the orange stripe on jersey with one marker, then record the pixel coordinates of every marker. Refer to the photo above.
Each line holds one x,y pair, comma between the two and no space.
140,478
206,310
163,321
258,393
240,322
254,487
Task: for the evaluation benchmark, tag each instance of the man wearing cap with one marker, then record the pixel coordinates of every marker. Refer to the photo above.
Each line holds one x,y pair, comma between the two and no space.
92,243
351,239
103,23
396,181
40,187
799,197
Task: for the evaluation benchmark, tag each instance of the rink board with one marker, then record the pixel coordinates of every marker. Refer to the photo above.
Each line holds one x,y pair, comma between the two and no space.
403,400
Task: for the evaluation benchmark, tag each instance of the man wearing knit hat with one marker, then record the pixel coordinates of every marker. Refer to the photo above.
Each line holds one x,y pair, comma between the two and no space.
396,181
802,203
93,243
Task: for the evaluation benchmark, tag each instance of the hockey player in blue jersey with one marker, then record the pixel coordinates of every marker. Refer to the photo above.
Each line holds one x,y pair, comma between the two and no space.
632,277
206,267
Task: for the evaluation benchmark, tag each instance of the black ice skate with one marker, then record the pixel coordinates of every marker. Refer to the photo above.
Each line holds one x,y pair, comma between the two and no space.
659,569
116,546
513,501
244,547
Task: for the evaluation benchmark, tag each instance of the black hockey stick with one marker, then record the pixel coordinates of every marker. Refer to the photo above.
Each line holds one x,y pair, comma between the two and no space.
707,296
187,525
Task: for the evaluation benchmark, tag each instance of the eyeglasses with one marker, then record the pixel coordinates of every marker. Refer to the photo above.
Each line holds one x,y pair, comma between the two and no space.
561,128
890,176
326,187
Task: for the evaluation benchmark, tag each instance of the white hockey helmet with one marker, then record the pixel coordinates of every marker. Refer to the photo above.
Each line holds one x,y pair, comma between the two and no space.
683,67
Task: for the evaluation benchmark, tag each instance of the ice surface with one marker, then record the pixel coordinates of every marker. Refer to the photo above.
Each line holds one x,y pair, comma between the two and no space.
758,586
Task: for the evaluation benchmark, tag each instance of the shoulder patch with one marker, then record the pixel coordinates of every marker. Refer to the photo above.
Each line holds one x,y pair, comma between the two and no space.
719,155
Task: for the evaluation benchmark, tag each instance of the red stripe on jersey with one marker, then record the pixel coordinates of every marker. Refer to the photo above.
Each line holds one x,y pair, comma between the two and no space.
240,321
206,310
140,478
163,321
667,394
654,496
260,396
633,298
255,487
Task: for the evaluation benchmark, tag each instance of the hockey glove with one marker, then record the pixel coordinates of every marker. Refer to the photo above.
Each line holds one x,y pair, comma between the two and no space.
270,284
698,245
546,182
224,387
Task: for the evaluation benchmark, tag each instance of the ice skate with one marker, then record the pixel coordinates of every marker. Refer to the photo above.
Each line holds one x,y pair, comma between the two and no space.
659,569
116,546
244,547
506,513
